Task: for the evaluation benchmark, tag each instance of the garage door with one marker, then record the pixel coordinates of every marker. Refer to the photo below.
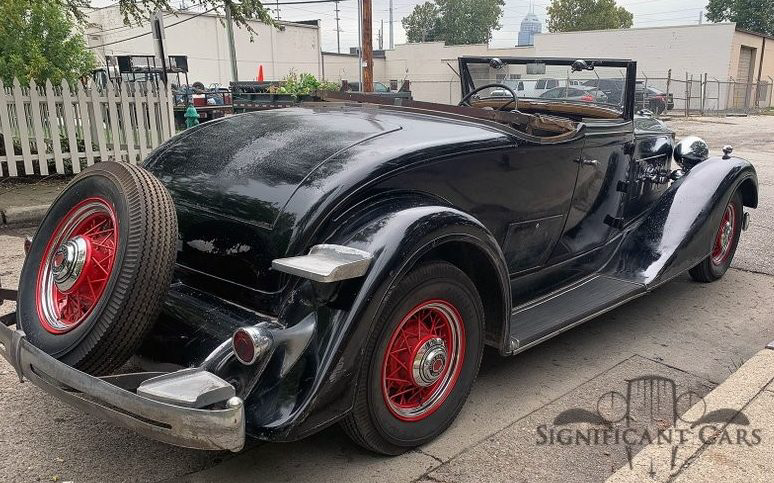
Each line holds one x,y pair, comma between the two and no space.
744,75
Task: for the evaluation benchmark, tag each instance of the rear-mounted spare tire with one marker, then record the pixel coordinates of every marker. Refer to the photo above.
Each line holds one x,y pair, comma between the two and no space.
98,267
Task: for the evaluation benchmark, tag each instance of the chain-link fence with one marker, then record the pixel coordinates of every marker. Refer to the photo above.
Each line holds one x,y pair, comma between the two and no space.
700,95
692,95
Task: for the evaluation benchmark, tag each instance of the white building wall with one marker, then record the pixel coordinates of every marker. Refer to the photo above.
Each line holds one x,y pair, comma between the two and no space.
427,66
338,67
691,49
203,39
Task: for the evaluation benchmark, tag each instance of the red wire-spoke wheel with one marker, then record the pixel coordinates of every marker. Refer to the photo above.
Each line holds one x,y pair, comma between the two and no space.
725,236
99,267
420,359
77,263
724,240
423,360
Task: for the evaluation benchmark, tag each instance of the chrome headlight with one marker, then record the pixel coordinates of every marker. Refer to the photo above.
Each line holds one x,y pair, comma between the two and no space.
691,151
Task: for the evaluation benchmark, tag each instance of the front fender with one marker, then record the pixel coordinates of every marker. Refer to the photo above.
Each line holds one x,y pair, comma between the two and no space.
677,233
397,239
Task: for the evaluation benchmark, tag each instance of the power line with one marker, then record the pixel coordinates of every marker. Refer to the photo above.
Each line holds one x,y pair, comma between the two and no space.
199,15
392,31
130,27
148,33
338,29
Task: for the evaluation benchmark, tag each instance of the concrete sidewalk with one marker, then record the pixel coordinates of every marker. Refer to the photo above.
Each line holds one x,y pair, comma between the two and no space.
727,435
24,201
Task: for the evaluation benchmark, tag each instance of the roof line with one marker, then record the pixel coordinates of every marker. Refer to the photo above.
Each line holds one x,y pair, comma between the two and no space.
757,34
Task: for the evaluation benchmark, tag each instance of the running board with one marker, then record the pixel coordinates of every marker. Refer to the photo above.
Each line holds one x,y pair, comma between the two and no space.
563,310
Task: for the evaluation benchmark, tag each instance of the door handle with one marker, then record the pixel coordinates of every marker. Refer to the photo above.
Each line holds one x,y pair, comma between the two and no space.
587,162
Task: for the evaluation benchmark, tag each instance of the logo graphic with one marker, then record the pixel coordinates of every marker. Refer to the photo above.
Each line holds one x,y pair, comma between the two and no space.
650,411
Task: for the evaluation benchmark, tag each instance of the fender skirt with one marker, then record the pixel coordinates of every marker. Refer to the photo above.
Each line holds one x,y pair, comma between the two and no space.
677,233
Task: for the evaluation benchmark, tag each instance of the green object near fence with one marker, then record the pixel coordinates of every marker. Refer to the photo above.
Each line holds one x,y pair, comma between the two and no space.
191,117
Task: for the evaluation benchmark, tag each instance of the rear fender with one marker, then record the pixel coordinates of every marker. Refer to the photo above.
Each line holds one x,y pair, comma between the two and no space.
397,240
677,233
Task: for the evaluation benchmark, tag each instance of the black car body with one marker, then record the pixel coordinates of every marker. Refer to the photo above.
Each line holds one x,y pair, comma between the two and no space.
556,211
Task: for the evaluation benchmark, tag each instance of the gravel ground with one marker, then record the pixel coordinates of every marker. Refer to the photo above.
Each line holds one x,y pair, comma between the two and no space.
703,331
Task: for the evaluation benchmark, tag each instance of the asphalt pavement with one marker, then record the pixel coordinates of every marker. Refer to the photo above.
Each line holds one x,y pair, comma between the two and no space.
694,335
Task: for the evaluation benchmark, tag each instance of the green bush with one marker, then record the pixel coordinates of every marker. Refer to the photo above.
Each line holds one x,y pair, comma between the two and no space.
302,85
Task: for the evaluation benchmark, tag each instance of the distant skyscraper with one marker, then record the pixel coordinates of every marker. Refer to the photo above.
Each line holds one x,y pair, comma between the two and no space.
529,27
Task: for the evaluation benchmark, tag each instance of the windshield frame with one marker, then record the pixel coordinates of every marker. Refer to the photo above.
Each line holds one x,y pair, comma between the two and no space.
468,84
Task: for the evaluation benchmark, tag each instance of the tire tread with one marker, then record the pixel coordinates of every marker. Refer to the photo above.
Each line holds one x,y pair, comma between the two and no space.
357,424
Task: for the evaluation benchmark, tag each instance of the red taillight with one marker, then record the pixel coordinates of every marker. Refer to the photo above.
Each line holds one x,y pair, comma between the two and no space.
587,98
252,343
244,347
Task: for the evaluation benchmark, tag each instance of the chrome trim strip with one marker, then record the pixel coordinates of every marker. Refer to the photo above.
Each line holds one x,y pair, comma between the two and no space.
326,263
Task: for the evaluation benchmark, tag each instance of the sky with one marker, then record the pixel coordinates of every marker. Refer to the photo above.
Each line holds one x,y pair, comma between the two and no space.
647,13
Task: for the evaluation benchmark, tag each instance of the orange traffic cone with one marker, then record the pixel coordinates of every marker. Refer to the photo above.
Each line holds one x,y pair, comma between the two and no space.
260,73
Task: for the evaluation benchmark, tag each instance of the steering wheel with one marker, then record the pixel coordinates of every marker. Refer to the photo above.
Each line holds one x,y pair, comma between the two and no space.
466,100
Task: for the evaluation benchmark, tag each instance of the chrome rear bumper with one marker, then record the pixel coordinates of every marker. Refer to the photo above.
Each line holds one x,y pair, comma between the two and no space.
113,398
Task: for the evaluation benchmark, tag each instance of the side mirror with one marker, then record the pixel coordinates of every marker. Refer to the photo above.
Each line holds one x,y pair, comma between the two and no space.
581,65
691,151
496,63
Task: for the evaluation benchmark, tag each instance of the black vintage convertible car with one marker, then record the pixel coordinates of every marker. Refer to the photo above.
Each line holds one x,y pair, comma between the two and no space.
274,273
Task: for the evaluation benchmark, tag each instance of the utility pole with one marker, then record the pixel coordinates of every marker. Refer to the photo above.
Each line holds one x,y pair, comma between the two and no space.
367,45
392,32
701,17
231,45
157,27
360,43
338,29
381,36
278,10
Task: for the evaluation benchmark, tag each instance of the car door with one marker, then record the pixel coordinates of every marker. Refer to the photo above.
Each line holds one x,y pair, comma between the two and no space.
596,213
521,193
538,181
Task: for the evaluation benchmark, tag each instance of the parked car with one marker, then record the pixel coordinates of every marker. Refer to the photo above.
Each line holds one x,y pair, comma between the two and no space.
613,88
281,271
578,93
648,98
536,87
378,87
653,99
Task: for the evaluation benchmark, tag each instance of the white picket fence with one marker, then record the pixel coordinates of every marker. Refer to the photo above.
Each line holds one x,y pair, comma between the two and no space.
62,129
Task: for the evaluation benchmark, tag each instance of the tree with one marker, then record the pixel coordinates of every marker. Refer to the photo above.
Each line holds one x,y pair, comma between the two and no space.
469,21
454,21
575,15
752,15
38,41
421,25
136,11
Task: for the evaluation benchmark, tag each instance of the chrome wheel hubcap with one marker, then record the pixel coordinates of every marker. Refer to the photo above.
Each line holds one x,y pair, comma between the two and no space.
429,362
726,235
68,262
